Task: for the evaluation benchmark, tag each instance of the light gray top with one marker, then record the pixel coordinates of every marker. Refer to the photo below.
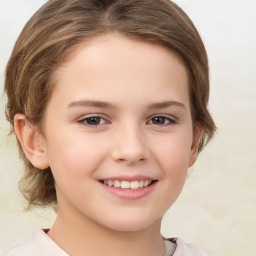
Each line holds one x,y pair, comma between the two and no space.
40,244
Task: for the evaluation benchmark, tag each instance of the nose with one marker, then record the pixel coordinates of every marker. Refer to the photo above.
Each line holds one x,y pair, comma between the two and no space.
130,146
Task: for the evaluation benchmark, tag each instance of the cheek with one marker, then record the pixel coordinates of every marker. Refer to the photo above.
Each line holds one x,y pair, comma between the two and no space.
73,157
173,159
174,152
73,166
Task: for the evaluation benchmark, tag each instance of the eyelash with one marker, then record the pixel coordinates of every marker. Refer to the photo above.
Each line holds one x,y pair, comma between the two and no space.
90,118
101,121
170,121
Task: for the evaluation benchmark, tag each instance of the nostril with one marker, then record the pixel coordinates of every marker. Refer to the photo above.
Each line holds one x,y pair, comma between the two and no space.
131,160
130,154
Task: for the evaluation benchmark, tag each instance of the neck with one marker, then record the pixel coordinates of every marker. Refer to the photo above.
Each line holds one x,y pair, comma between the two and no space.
83,237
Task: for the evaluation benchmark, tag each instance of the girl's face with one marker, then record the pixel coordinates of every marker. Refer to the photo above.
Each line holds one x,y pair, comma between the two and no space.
118,133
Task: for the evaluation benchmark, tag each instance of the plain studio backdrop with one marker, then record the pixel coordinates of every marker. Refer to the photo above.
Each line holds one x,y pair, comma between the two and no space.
217,208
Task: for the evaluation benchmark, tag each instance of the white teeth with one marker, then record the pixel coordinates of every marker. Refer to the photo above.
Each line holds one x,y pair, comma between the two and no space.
141,184
146,182
126,184
117,183
134,185
110,183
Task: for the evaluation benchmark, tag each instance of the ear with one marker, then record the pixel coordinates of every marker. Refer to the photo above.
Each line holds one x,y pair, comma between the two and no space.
32,142
194,148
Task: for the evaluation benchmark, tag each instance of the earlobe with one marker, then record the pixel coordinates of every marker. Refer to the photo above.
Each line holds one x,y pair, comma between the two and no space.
195,145
31,141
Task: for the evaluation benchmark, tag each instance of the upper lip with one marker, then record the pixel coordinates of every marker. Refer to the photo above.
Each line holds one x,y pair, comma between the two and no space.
129,178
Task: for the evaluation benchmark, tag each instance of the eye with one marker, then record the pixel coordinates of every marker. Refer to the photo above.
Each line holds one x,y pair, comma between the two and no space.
93,121
161,120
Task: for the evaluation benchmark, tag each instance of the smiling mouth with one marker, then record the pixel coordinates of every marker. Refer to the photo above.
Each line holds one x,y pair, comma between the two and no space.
124,184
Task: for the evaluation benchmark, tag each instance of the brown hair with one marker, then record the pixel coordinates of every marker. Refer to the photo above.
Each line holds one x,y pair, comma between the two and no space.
55,31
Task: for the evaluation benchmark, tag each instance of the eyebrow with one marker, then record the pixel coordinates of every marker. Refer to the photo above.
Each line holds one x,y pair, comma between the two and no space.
91,103
167,104
103,104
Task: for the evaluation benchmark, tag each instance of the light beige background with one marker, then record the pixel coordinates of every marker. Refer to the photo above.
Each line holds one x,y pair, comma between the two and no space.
217,208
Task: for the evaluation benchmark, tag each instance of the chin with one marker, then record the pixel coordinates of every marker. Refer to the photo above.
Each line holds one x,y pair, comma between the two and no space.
133,223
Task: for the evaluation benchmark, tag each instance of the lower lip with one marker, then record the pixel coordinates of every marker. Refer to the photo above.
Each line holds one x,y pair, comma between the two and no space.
129,194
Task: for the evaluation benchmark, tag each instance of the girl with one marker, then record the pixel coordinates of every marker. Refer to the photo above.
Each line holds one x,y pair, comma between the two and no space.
108,100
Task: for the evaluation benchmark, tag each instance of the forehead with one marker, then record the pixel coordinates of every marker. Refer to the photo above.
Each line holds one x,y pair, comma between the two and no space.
113,62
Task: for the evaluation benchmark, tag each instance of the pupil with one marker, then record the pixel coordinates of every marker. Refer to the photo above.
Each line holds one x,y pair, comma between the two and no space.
93,120
159,120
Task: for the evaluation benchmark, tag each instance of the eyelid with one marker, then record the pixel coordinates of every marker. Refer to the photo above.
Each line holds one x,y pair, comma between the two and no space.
172,119
85,117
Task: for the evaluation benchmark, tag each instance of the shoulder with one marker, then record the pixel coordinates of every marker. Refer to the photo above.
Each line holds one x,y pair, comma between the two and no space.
39,244
188,249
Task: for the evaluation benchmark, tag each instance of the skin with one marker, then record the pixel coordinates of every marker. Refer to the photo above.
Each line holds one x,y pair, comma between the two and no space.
133,134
